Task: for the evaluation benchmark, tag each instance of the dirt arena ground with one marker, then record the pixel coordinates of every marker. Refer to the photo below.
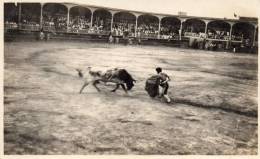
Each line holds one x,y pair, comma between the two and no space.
214,107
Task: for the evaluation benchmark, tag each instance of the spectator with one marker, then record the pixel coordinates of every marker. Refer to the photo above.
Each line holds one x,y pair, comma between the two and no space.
148,30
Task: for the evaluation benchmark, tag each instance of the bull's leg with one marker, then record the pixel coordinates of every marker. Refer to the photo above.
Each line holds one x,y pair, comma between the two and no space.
95,85
84,85
117,86
123,86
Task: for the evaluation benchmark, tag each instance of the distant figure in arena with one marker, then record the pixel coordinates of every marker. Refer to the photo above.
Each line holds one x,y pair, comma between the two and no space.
126,37
164,78
110,38
41,36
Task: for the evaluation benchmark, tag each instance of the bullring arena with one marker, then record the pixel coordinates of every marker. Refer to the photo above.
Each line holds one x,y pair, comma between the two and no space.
212,64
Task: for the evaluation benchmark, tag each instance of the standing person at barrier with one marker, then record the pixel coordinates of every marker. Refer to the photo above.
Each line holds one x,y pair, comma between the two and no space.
126,37
164,78
110,38
41,35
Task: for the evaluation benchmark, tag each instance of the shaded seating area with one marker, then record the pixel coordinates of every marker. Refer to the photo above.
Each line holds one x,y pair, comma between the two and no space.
30,21
10,16
194,28
243,36
101,21
148,26
218,30
198,32
55,17
170,28
80,20
242,31
124,24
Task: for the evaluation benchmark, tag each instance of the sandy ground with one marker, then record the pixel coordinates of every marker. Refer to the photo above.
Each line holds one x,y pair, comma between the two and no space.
214,107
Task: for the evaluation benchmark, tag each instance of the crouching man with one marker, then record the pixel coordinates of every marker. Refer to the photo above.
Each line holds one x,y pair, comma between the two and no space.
164,78
153,84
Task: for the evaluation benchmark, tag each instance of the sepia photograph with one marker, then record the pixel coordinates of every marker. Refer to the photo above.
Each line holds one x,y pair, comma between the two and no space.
130,77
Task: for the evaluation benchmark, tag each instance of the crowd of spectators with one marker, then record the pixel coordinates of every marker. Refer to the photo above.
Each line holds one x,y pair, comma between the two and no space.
169,32
148,30
98,29
120,29
214,34
29,24
198,35
237,36
100,25
82,24
79,24
58,22
11,25
223,35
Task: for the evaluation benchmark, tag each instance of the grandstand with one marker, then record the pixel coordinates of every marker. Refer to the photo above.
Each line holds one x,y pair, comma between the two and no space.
67,19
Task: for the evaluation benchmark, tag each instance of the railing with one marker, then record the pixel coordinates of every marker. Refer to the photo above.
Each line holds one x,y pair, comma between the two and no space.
219,37
169,37
79,31
130,34
51,28
149,35
10,26
30,27
102,32
237,38
189,34
210,37
198,35
88,31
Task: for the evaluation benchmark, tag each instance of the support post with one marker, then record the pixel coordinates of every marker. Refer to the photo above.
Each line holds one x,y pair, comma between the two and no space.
206,27
19,15
230,36
41,25
136,26
159,28
231,29
254,38
91,19
180,31
68,19
112,19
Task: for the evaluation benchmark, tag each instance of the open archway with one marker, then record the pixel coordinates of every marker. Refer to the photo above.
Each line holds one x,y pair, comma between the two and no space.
102,20
218,29
10,13
55,16
194,26
30,13
170,26
30,16
243,30
124,22
80,18
10,16
148,25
